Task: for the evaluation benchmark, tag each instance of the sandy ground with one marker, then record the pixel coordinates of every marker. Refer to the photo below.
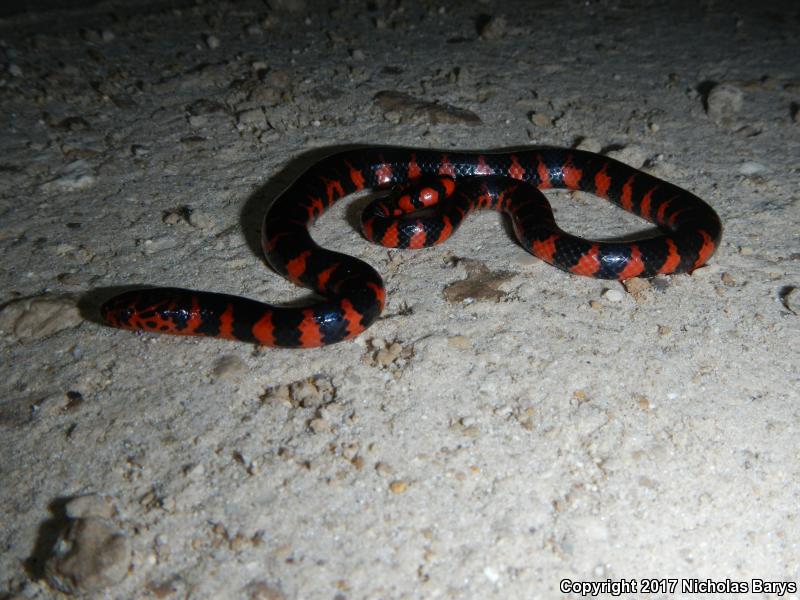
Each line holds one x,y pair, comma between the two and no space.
486,444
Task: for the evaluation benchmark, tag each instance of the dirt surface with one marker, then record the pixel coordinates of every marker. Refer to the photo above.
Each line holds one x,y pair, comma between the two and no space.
505,425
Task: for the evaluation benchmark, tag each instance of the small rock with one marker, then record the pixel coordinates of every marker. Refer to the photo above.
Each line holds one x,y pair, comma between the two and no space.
251,119
459,341
71,279
75,176
179,214
229,366
202,220
386,356
159,244
14,70
540,119
790,299
90,505
383,469
636,287
590,145
261,590
315,393
642,401
492,28
491,574
35,318
751,168
90,555
724,101
398,486
192,141
319,425
630,155
415,110
204,106
211,41
613,295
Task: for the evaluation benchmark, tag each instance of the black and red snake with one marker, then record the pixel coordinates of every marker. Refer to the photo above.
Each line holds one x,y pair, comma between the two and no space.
433,193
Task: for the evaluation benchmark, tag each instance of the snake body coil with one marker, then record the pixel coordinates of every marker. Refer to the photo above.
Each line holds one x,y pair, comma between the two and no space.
436,191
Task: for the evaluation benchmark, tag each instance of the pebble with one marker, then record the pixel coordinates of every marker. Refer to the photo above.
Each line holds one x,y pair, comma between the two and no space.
398,486
307,393
590,145
383,469
319,425
642,401
540,119
192,141
459,341
211,41
724,101
386,356
14,70
159,244
636,287
399,107
613,295
204,106
202,220
751,168
630,155
492,28
173,216
34,318
76,176
251,119
90,554
72,279
790,298
90,505
229,366
261,590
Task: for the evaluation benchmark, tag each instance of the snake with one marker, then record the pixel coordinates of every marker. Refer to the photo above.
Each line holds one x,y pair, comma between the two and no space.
423,196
